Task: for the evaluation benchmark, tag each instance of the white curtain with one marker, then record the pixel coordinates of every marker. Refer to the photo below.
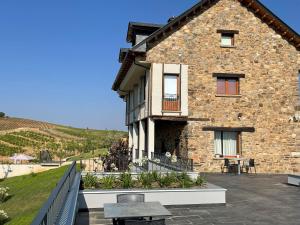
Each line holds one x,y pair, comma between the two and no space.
170,86
218,143
229,143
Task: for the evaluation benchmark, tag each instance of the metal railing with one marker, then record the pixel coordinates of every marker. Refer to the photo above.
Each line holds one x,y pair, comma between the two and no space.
180,164
48,214
171,103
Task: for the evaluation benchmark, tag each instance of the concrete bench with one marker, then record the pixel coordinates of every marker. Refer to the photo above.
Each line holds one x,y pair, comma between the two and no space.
68,213
294,179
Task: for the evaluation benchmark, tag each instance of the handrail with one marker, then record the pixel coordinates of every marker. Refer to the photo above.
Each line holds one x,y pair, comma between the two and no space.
49,212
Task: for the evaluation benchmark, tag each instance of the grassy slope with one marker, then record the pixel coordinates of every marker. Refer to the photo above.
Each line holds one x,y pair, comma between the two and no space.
61,141
28,193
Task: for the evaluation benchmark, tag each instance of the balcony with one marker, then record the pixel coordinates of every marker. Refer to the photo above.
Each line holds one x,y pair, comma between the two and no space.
171,103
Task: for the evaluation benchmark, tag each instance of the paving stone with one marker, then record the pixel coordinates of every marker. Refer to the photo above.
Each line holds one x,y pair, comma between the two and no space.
251,200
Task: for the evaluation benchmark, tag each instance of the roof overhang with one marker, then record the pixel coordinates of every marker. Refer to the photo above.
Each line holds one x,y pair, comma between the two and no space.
140,28
128,62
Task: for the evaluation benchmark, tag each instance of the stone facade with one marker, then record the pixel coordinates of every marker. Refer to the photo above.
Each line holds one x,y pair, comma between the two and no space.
269,91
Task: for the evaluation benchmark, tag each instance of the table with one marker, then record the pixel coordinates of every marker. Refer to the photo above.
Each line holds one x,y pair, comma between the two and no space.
238,161
134,210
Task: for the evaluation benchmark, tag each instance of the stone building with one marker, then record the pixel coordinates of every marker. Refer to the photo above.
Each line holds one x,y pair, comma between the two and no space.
221,79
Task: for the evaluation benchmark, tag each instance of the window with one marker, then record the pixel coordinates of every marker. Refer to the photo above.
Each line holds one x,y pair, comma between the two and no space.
227,86
226,143
227,39
143,89
171,92
170,86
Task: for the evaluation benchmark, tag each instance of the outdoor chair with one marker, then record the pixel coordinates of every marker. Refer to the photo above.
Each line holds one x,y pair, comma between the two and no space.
125,198
145,222
227,165
248,165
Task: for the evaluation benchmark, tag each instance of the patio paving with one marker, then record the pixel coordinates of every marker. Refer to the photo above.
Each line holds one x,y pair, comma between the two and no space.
251,200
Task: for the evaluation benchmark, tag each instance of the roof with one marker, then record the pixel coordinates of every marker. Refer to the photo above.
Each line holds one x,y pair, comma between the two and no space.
254,6
138,27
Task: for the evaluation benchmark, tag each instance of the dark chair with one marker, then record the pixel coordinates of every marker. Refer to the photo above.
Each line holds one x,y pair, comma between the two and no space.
227,165
145,222
249,165
125,198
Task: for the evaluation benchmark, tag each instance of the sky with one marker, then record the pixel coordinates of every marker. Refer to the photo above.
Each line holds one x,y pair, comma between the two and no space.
59,58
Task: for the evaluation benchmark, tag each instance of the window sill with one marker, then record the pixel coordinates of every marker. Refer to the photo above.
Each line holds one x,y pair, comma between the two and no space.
227,46
169,111
229,96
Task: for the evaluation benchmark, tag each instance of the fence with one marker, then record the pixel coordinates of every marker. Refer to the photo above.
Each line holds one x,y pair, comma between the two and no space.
51,209
162,161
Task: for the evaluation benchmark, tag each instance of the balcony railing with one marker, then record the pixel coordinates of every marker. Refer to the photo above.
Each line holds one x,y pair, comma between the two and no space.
180,164
171,103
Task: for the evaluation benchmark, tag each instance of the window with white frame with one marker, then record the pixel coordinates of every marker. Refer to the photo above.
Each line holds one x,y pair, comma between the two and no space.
227,39
170,86
226,143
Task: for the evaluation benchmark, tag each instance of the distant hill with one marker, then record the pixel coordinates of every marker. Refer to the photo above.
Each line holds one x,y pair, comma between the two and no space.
14,123
30,136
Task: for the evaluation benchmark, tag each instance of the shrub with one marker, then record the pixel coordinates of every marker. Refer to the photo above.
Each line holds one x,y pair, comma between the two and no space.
3,217
3,194
165,180
126,180
108,182
155,175
2,114
184,180
90,181
200,181
146,179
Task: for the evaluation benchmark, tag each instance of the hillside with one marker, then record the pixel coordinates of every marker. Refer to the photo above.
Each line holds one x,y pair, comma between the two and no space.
29,136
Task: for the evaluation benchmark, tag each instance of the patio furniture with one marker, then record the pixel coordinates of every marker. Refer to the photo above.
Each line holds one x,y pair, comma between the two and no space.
123,198
227,165
120,212
145,222
230,166
249,164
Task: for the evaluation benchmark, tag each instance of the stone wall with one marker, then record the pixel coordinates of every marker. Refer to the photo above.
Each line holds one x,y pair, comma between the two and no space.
269,91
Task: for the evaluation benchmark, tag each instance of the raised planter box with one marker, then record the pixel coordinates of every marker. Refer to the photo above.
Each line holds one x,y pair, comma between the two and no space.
294,179
210,194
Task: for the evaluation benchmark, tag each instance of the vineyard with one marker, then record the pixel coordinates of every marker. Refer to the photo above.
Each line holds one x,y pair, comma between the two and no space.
30,137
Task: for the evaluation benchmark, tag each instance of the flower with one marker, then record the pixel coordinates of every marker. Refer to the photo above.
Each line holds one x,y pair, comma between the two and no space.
168,154
112,165
3,193
3,217
174,158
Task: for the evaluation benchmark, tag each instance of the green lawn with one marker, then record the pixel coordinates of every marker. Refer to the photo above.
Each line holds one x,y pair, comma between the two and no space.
28,194
89,155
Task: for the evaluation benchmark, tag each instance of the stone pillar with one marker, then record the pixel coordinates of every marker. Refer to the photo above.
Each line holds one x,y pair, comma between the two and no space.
135,141
151,137
141,138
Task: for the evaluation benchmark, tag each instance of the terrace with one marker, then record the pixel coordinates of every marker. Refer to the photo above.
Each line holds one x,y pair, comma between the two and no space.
251,199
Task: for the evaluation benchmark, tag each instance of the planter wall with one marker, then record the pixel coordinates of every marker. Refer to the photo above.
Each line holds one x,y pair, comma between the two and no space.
294,179
211,194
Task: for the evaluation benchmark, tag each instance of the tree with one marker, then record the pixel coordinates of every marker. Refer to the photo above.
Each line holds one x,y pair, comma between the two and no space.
2,114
